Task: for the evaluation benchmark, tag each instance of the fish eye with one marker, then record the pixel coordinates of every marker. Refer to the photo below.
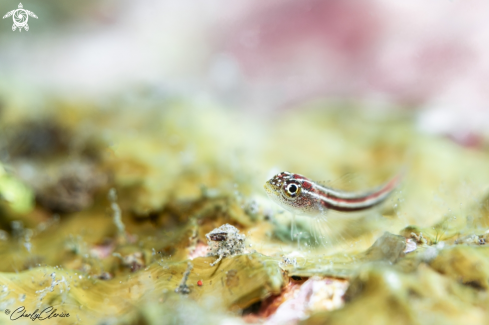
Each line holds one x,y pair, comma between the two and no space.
292,190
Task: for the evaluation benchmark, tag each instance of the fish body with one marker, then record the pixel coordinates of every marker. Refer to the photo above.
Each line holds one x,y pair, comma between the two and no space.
301,196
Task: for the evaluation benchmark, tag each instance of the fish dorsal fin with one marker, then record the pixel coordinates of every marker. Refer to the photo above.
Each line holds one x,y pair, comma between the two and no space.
348,182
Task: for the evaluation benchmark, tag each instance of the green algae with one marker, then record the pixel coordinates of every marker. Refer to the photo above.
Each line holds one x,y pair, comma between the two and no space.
468,265
178,176
384,296
16,198
234,284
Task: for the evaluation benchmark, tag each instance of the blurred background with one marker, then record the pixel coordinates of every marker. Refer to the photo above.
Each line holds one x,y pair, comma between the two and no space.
322,88
430,57
121,94
186,108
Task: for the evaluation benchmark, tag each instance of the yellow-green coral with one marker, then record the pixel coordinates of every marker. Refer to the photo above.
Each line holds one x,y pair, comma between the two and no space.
15,196
184,169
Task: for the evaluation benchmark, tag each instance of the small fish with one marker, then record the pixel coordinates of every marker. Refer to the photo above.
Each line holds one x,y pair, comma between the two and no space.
302,196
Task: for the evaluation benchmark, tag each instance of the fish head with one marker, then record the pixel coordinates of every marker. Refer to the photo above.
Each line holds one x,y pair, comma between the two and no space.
288,191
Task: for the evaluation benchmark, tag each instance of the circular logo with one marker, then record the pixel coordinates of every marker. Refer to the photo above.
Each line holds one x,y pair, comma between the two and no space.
20,17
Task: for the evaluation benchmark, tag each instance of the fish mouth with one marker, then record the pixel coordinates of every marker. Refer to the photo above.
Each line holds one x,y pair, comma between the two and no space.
267,187
271,191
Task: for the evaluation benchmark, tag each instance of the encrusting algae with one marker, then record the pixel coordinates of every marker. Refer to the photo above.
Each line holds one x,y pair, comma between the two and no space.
116,217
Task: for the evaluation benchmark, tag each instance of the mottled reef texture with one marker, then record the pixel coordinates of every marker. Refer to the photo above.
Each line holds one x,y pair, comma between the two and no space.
104,213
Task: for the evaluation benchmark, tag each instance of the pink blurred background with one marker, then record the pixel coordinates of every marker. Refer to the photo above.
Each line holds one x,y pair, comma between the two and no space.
429,56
